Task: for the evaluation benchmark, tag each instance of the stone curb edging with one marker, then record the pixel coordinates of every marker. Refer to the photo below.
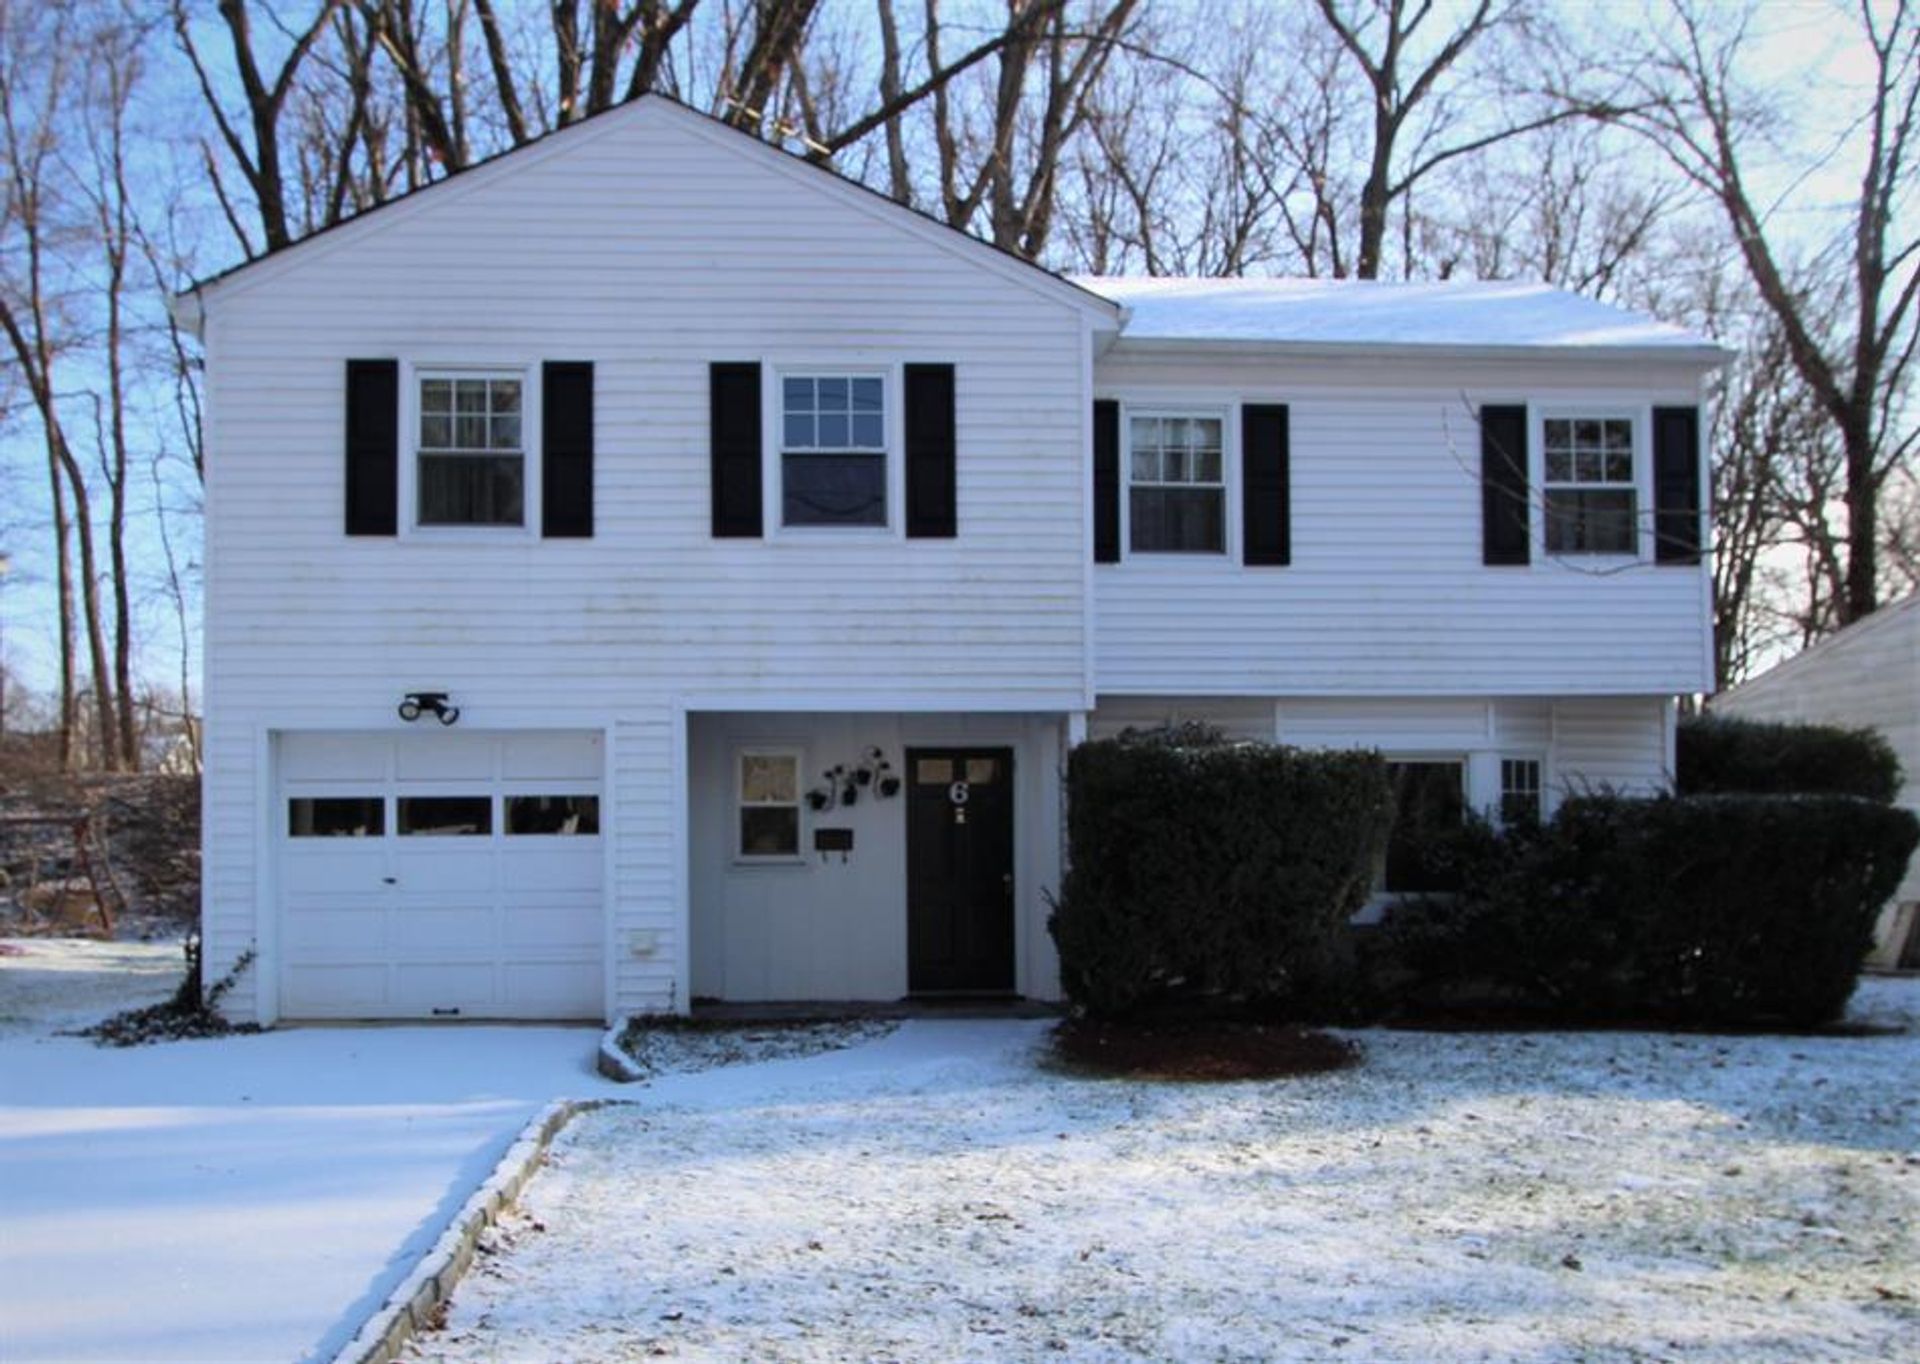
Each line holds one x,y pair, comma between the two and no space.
413,1306
613,1061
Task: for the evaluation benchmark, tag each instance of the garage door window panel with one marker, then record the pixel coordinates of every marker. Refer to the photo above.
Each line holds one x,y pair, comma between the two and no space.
445,816
553,816
336,816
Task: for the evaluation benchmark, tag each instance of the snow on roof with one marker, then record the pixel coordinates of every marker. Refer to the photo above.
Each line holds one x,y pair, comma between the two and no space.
1499,315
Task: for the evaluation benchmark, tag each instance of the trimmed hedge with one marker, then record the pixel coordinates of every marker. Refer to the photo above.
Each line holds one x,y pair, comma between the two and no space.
1207,871
1727,754
1701,909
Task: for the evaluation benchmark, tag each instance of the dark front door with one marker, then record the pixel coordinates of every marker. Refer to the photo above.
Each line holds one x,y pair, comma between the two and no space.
959,870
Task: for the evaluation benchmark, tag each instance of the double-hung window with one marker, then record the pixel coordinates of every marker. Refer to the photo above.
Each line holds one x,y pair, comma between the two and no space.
472,467
769,805
1591,502
1177,491
833,450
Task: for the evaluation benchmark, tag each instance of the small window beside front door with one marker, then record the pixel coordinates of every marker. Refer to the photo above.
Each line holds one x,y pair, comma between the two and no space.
769,806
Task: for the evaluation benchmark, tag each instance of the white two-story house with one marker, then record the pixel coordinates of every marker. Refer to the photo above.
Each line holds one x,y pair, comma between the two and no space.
649,568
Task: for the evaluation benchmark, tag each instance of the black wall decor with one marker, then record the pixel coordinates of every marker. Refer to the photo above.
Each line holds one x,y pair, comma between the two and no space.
842,785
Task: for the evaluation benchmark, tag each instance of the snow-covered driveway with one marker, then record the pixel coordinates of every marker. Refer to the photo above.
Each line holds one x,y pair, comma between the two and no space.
251,1198
1555,1197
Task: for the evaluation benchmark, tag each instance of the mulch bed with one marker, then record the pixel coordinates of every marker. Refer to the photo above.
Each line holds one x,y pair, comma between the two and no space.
1199,1049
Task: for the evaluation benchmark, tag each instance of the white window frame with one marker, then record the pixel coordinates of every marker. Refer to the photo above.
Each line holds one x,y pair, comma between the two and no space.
1539,760
1229,497
738,802
773,443
413,374
1640,484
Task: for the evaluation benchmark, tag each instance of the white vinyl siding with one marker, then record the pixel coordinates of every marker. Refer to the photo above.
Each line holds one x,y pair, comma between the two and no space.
1582,744
1866,676
545,257
1386,594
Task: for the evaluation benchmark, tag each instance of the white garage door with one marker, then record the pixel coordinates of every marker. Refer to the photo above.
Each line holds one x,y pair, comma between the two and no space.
441,874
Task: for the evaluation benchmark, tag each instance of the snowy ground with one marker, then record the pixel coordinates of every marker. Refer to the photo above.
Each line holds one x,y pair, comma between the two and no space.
251,1198
50,983
656,1050
935,1195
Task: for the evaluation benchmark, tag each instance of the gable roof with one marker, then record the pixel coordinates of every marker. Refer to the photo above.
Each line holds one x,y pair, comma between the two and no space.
187,303
1337,315
1900,615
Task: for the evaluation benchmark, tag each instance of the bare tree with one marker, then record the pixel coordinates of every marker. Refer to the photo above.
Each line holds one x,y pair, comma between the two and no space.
36,55
258,153
1772,454
113,70
1847,316
1418,127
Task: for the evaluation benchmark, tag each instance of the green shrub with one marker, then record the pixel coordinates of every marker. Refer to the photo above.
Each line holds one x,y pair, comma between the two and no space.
1207,871
1723,754
1702,909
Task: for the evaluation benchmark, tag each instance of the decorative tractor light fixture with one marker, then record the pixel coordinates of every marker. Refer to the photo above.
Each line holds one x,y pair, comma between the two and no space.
417,703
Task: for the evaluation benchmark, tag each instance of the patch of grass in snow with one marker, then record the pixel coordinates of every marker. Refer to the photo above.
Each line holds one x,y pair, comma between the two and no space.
665,1045
1199,1049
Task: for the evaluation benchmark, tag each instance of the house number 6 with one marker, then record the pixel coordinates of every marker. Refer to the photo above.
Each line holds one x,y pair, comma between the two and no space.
958,793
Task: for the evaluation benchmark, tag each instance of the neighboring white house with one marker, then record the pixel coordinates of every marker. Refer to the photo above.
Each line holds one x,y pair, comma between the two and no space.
715,491
1866,676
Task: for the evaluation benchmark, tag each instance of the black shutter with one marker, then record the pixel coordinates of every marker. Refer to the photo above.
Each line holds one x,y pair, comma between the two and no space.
373,447
566,448
1505,527
734,417
1676,485
930,451
1266,497
1106,482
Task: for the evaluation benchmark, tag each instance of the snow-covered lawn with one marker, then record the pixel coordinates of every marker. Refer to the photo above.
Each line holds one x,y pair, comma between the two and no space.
54,983
936,1195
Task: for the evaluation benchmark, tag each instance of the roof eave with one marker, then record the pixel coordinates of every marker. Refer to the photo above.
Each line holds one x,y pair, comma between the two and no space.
188,311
